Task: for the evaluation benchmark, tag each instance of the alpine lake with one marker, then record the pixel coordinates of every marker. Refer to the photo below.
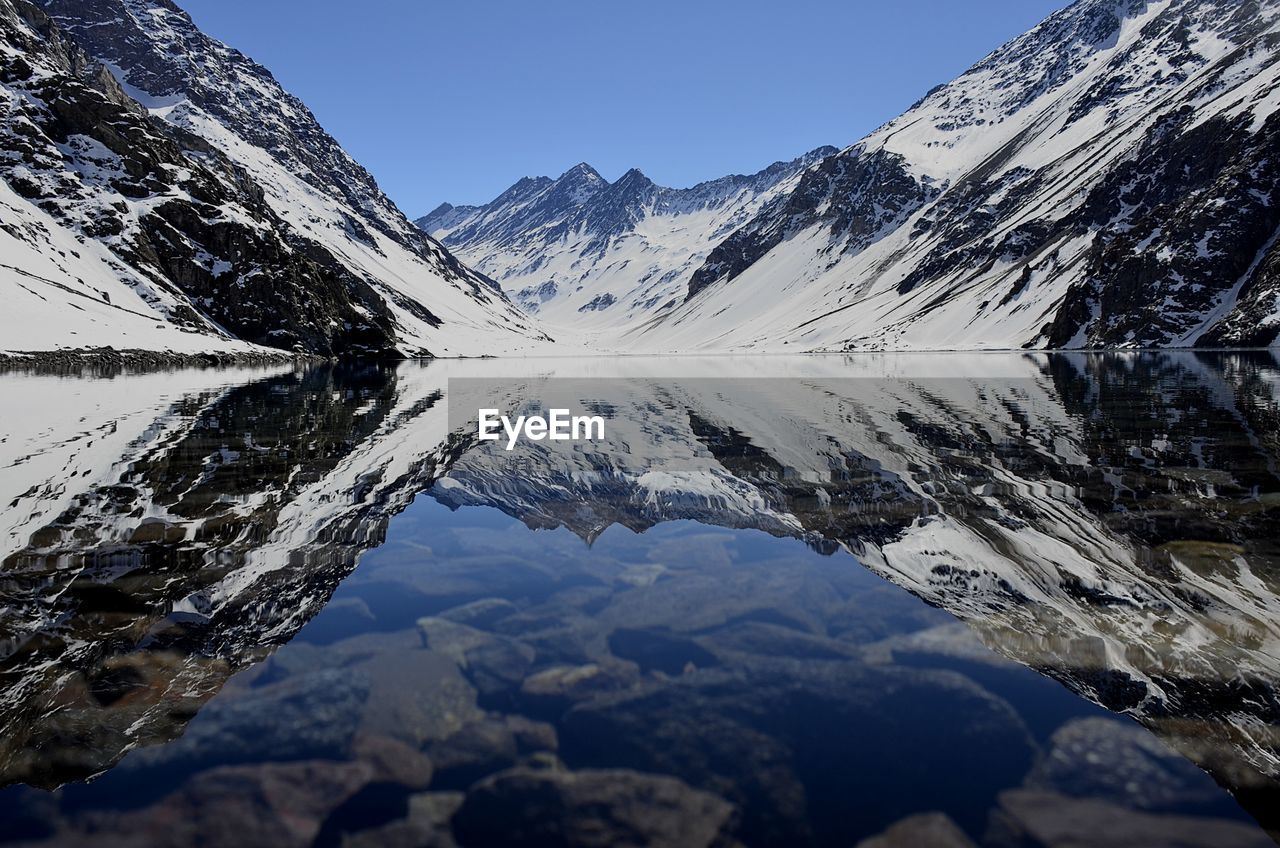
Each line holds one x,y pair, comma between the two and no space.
1004,599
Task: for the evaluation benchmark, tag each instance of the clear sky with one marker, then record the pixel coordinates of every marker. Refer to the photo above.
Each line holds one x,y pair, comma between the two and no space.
457,100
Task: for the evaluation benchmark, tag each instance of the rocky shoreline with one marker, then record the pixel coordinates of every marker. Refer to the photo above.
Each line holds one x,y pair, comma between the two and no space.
110,359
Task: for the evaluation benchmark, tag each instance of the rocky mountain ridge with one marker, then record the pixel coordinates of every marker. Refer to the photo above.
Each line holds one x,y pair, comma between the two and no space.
581,252
162,191
1106,180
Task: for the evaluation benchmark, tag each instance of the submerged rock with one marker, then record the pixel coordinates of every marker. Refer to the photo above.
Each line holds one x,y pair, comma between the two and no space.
311,717
425,825
486,746
278,804
934,830
1122,763
612,808
1030,819
812,750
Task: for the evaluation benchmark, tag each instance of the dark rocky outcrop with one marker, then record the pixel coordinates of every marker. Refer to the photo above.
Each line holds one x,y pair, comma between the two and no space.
858,196
1184,239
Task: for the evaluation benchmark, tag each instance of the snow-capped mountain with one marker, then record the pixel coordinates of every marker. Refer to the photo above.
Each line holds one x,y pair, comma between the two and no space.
583,253
1107,179
162,191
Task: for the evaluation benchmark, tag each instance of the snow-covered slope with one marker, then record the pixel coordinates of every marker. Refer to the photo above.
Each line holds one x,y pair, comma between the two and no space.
59,292
1109,178
152,168
586,255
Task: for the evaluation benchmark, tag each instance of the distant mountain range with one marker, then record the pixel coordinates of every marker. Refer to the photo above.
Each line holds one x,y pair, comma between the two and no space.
162,191
584,252
1107,179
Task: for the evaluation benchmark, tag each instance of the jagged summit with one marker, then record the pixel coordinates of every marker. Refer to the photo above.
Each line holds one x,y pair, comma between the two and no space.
633,180
575,186
592,253
582,171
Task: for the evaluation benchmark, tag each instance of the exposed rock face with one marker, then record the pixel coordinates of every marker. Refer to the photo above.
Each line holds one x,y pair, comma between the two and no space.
587,254
89,155
155,47
857,199
198,193
1184,241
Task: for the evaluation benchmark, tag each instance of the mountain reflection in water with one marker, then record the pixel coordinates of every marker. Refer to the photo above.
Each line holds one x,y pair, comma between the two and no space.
903,598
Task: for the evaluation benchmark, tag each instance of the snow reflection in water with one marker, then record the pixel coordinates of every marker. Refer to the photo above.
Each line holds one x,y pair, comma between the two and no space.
735,619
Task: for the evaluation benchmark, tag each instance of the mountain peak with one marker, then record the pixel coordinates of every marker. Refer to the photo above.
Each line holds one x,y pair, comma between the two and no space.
581,172
577,226
632,182
577,185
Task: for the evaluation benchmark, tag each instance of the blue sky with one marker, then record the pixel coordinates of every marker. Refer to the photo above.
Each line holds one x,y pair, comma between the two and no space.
456,101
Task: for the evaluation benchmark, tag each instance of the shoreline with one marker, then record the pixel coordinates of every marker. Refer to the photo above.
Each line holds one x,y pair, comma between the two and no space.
111,360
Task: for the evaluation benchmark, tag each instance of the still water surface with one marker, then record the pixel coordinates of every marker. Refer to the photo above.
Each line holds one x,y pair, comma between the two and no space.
995,600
